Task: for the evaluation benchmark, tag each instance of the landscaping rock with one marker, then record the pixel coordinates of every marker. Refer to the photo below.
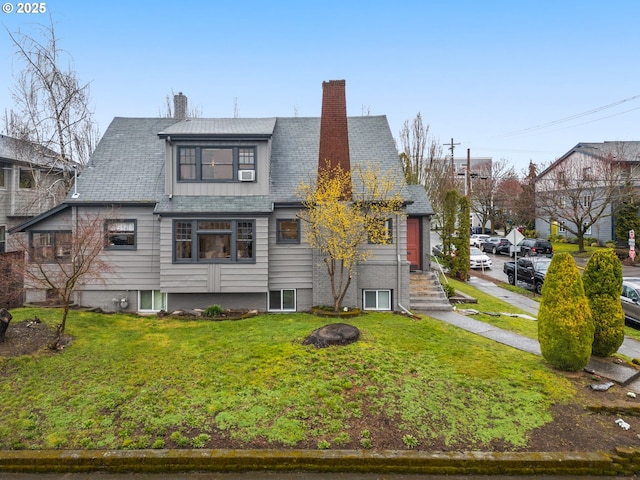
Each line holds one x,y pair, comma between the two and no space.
5,318
333,334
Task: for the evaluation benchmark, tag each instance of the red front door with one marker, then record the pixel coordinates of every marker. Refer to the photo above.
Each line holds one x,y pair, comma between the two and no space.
413,243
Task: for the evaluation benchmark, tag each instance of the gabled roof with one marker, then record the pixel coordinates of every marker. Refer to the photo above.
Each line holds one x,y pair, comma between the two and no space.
420,204
22,152
622,151
128,166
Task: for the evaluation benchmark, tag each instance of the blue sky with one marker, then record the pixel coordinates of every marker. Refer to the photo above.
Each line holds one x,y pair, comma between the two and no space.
505,79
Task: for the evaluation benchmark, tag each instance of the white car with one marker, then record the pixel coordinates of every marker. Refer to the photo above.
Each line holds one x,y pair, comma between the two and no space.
477,238
478,259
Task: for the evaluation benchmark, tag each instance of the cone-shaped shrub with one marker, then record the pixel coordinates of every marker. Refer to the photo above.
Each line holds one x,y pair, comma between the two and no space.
602,279
565,327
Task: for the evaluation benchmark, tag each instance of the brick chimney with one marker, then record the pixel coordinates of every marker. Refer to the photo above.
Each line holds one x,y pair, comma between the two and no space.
180,106
334,134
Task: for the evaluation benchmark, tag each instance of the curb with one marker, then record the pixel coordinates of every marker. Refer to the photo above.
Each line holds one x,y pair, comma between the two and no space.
386,461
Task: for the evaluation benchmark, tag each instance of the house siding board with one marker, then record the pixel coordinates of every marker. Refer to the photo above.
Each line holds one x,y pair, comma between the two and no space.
132,269
290,265
231,188
214,277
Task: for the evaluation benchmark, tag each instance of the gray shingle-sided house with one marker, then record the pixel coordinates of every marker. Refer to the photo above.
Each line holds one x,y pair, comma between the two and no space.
29,183
584,185
203,211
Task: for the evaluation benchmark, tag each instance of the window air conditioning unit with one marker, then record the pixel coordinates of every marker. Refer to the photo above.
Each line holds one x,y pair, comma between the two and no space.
247,175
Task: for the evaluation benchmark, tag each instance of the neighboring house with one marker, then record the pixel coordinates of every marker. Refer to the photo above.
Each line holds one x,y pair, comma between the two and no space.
479,169
587,179
28,185
203,211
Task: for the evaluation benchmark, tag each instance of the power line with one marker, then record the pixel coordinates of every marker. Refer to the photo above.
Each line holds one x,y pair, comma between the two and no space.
574,117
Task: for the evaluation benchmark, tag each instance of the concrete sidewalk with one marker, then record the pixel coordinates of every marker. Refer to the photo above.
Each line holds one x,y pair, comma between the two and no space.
619,373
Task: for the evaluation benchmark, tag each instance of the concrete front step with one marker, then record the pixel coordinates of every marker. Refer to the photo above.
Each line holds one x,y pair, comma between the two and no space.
426,294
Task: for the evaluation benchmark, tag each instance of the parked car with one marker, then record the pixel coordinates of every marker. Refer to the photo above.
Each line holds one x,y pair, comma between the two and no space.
496,245
482,230
478,259
631,301
530,247
531,271
438,250
477,238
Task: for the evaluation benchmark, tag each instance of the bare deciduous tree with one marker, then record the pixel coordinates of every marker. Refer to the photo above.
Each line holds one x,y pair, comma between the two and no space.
577,192
58,262
51,105
485,188
424,163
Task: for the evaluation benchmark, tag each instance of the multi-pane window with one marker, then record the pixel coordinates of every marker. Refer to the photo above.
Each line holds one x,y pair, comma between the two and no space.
3,238
187,163
288,230
220,164
382,232
152,301
50,247
282,300
376,299
120,234
214,240
27,180
2,176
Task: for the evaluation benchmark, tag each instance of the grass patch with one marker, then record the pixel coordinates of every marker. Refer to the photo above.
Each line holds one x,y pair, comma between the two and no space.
489,303
130,382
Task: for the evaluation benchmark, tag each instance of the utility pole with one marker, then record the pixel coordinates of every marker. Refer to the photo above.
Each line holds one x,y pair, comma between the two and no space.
467,186
451,147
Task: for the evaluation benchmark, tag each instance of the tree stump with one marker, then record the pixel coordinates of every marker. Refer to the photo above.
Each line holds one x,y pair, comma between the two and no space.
5,318
333,334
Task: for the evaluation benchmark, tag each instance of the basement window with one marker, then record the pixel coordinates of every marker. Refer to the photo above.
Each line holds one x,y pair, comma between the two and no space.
282,300
376,299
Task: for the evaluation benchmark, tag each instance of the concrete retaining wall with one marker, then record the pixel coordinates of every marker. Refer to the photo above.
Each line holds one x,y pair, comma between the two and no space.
624,461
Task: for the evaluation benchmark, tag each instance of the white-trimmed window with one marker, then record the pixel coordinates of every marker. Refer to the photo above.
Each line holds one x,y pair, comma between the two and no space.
376,299
151,301
3,168
282,300
26,179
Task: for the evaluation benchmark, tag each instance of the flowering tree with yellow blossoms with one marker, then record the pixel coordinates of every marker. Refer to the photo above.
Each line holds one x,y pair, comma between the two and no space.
344,211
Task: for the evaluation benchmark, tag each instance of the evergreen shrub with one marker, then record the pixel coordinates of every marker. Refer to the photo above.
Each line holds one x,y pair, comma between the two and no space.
565,326
602,279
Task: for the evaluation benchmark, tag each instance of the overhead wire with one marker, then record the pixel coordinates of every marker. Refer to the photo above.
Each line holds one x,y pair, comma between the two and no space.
577,116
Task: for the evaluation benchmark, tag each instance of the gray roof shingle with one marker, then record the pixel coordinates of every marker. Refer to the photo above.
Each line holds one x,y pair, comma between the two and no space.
294,156
222,126
128,164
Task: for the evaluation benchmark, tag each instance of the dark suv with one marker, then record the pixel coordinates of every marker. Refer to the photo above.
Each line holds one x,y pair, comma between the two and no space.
534,246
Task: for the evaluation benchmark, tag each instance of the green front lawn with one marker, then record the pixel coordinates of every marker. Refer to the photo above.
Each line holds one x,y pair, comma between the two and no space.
129,382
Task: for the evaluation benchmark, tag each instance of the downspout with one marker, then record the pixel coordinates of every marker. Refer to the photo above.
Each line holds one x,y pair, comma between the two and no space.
170,168
399,267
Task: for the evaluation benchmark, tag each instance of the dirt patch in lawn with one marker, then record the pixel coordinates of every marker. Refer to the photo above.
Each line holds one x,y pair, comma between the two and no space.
28,337
586,424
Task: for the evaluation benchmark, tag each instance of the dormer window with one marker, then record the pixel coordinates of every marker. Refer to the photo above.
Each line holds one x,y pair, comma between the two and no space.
215,164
